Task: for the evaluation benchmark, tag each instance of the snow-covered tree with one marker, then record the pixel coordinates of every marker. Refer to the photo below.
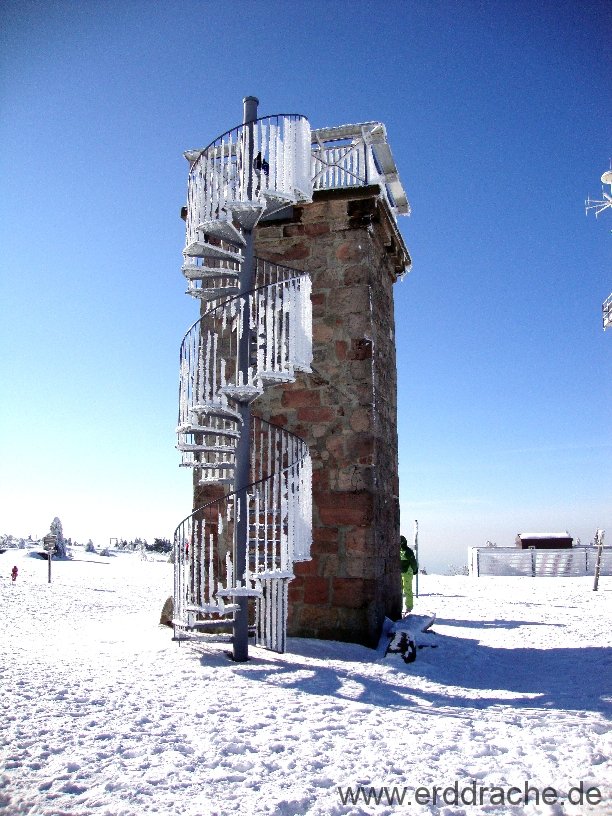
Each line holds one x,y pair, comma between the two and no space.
454,569
160,545
56,529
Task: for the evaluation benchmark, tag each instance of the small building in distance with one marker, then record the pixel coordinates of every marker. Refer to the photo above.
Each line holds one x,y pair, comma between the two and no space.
544,541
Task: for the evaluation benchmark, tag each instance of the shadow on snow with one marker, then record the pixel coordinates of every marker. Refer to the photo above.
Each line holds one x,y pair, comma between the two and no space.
471,675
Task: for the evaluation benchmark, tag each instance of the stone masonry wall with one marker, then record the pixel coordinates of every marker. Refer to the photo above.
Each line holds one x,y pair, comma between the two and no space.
345,410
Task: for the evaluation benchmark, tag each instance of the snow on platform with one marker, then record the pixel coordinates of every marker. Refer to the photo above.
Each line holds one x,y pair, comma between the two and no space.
104,714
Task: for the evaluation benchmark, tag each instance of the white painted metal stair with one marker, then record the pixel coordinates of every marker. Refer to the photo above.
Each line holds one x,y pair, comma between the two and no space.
245,341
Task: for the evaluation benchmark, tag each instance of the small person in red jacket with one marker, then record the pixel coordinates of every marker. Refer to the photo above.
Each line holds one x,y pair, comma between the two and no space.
14,573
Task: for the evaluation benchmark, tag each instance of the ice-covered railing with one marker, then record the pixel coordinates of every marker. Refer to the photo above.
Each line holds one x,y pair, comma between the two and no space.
255,330
268,159
279,535
607,312
279,314
356,156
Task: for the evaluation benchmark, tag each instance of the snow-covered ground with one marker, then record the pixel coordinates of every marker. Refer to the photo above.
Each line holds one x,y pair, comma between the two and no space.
103,714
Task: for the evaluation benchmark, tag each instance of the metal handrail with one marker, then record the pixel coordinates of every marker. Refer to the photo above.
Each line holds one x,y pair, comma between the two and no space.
243,341
202,546
294,117
259,481
242,295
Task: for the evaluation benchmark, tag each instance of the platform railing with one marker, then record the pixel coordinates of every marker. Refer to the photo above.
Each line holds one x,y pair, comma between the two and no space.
357,156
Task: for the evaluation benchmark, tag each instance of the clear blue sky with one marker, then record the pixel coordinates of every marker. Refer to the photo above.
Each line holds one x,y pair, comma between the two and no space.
498,115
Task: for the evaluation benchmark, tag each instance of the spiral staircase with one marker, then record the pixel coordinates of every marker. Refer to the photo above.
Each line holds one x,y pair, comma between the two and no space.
234,557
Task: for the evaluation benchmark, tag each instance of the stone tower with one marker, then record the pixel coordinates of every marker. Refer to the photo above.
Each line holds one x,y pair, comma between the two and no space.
346,408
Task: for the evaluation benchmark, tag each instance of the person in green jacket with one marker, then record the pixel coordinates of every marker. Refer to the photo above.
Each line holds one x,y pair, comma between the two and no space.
408,567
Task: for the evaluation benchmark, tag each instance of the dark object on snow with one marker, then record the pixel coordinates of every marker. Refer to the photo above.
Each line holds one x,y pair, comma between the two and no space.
14,573
404,645
167,612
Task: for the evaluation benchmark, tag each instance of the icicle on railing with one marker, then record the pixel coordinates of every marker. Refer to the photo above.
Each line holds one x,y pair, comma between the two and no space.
279,534
201,549
220,173
280,467
281,162
280,313
250,171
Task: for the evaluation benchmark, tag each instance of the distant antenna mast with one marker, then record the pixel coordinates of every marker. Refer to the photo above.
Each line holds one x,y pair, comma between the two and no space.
607,312
599,206
599,539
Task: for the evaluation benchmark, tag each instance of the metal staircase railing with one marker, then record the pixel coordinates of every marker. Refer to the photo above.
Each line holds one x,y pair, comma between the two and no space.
205,586
255,331
279,315
267,165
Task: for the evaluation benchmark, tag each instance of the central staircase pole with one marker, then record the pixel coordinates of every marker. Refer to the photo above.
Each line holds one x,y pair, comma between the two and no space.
243,463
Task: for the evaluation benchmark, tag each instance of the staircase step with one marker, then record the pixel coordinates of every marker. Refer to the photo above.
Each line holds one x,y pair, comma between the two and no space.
215,409
208,609
200,273
213,294
215,466
272,377
242,393
191,447
271,527
276,200
240,592
221,472
273,574
221,228
246,213
207,429
204,624
202,249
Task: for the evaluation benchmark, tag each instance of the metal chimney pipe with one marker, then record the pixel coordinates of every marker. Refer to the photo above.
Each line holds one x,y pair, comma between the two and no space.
250,108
